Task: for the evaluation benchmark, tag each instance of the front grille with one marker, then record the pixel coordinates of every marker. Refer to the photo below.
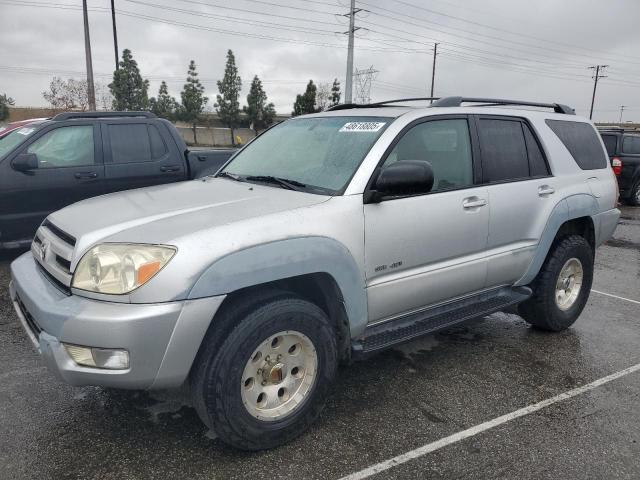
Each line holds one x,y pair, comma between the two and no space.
52,248
56,283
60,233
31,322
64,263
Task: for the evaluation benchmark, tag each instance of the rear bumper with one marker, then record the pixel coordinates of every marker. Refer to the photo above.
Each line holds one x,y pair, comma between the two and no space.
162,339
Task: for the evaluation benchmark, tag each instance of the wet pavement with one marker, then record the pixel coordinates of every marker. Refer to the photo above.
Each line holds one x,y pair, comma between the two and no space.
395,402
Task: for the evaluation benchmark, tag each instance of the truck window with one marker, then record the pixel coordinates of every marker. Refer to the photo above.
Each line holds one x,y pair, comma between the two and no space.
504,152
582,142
631,144
64,147
443,143
610,143
135,142
537,164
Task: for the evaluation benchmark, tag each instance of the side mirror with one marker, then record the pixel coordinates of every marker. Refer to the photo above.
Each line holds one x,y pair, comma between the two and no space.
404,177
25,162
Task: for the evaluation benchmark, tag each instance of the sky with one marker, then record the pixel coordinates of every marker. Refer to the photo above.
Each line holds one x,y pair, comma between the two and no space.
536,50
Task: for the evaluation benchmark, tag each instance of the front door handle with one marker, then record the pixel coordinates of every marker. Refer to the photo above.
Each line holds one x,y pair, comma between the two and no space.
473,202
169,168
81,175
544,190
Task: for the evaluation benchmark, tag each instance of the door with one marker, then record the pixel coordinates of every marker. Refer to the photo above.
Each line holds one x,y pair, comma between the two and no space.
521,193
69,169
136,155
425,249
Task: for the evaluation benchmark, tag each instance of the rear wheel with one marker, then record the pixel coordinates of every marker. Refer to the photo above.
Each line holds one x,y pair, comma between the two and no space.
561,289
634,195
267,381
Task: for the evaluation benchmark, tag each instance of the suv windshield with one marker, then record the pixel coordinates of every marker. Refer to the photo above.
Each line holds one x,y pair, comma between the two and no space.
315,154
13,138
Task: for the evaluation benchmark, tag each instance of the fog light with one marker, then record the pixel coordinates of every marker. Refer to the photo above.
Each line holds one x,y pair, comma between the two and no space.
108,358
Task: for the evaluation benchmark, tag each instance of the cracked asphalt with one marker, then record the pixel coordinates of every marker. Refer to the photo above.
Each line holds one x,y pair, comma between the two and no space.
395,402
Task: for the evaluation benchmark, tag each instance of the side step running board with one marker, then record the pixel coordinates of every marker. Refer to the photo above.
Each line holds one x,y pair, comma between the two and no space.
383,335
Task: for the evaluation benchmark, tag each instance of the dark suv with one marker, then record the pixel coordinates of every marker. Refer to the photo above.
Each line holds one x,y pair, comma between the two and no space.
623,147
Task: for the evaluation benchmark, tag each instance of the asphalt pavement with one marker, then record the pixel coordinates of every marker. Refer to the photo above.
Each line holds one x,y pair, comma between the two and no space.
432,398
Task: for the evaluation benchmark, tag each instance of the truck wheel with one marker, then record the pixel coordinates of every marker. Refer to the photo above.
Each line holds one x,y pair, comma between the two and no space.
267,380
634,195
561,289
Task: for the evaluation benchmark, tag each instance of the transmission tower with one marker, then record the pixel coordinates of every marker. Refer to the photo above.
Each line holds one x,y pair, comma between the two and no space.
363,79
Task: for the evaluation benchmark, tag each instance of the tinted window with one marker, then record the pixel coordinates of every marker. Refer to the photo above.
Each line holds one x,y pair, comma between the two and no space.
610,142
64,147
158,148
443,143
504,153
582,142
631,145
537,164
130,143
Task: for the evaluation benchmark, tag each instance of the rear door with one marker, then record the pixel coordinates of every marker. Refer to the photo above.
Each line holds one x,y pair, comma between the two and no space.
630,157
69,169
521,194
138,155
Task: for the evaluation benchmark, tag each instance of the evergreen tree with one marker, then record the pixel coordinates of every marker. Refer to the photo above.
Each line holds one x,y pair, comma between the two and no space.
193,99
335,92
228,104
258,111
305,103
164,105
5,102
128,88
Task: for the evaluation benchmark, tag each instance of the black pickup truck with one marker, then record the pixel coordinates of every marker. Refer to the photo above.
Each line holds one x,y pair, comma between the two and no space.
72,156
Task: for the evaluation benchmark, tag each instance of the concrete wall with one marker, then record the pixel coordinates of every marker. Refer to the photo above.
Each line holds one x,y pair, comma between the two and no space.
215,137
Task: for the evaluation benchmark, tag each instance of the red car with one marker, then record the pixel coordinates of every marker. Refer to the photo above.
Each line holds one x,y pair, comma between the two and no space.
22,123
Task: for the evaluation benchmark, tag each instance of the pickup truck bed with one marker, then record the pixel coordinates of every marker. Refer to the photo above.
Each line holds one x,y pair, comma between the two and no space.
74,156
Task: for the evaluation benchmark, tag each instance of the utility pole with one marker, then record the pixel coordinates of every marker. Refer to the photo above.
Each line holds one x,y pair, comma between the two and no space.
91,92
597,76
348,93
433,69
115,31
622,107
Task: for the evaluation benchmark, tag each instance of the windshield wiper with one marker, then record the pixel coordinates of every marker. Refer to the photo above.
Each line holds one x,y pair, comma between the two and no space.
232,176
283,182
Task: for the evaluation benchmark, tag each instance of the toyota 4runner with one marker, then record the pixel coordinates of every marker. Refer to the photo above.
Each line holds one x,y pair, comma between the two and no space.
330,237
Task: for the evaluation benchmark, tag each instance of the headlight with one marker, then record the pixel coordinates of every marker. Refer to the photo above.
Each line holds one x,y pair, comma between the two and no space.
118,268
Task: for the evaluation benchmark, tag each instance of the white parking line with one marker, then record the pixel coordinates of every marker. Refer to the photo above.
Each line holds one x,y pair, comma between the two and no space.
470,432
615,296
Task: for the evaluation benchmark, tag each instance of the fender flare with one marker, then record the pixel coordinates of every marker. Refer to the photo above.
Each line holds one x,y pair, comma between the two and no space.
285,259
569,208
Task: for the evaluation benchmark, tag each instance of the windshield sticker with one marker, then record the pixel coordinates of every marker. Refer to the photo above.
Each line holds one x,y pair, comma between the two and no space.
362,126
26,131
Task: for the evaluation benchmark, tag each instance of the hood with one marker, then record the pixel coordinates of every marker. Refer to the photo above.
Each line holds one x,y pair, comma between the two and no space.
165,212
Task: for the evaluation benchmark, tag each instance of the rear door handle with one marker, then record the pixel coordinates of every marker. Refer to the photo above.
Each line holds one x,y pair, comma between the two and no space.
81,175
473,202
545,190
169,168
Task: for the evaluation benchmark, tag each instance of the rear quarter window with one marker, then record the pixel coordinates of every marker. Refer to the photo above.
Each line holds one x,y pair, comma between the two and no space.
582,142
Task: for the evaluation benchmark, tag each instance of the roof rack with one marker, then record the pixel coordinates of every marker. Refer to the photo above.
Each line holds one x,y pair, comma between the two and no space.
69,115
494,102
346,106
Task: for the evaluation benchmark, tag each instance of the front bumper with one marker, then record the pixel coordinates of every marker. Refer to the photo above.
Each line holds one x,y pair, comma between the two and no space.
162,339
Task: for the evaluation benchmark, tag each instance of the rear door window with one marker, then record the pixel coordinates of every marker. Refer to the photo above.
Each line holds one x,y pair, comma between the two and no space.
135,143
582,141
610,143
537,163
504,151
631,144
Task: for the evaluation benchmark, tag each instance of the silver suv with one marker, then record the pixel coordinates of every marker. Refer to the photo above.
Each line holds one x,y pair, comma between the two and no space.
330,237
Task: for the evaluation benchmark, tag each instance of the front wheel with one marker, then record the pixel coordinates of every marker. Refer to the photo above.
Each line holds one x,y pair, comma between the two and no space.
561,288
269,378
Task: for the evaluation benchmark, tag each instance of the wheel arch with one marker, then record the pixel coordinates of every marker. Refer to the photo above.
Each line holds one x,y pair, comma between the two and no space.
572,215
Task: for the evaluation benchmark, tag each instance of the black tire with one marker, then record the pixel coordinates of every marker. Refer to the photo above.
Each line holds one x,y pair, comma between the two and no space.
634,195
541,309
217,374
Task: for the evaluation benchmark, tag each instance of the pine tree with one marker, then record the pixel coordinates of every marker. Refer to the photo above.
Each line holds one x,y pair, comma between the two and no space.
164,105
193,99
335,93
228,104
128,88
5,102
305,103
258,111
